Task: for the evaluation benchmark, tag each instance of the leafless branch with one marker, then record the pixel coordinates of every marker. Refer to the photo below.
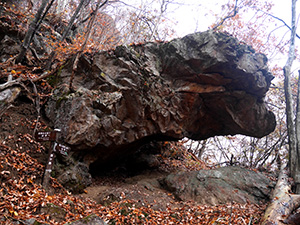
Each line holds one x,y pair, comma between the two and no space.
232,14
277,18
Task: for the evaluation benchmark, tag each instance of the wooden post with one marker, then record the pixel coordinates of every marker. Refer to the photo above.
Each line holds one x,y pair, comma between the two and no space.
48,170
55,148
53,137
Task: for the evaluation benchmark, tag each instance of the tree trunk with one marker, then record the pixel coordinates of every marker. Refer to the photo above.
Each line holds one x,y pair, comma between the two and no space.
87,37
66,32
293,140
31,31
297,128
283,203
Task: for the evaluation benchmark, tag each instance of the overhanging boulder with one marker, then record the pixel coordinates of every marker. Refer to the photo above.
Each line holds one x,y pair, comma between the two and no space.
198,86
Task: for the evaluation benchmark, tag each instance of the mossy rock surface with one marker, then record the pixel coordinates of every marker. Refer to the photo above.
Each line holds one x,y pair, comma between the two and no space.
56,213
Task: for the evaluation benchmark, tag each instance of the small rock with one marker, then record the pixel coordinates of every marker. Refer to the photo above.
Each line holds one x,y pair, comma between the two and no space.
89,220
56,213
76,178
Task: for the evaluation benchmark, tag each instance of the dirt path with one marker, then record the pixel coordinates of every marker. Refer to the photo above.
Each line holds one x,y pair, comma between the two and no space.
144,188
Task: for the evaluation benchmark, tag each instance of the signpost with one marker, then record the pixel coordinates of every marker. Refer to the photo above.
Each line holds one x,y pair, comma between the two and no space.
46,135
61,149
52,136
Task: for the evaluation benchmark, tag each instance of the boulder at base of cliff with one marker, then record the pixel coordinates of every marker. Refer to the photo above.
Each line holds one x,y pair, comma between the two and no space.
218,186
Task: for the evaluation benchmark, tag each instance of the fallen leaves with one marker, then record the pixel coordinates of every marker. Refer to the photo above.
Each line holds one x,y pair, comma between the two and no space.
22,198
125,212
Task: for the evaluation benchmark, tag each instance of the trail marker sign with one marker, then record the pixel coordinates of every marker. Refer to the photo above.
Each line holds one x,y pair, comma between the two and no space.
46,135
61,149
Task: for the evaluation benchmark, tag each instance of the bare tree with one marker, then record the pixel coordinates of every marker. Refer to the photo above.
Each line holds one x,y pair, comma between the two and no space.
284,203
293,128
147,22
66,32
34,25
87,36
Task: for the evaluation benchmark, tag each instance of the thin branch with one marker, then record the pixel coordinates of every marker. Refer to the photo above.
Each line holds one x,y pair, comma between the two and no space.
37,106
87,37
269,35
277,18
234,11
9,84
65,33
274,53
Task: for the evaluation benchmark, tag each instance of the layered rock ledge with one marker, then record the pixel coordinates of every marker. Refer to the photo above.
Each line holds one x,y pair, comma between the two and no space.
198,86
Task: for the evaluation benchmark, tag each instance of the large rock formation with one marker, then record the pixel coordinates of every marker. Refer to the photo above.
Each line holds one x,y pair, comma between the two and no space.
219,186
201,85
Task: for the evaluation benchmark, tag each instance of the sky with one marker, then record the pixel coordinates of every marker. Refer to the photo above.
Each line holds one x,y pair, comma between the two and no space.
196,17
187,16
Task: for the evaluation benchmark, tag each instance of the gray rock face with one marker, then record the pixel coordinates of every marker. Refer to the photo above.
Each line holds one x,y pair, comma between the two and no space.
201,85
219,186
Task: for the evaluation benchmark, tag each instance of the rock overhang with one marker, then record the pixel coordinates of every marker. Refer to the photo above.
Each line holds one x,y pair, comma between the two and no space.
198,86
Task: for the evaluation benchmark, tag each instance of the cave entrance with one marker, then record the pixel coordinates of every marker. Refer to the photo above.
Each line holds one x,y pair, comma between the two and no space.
145,158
